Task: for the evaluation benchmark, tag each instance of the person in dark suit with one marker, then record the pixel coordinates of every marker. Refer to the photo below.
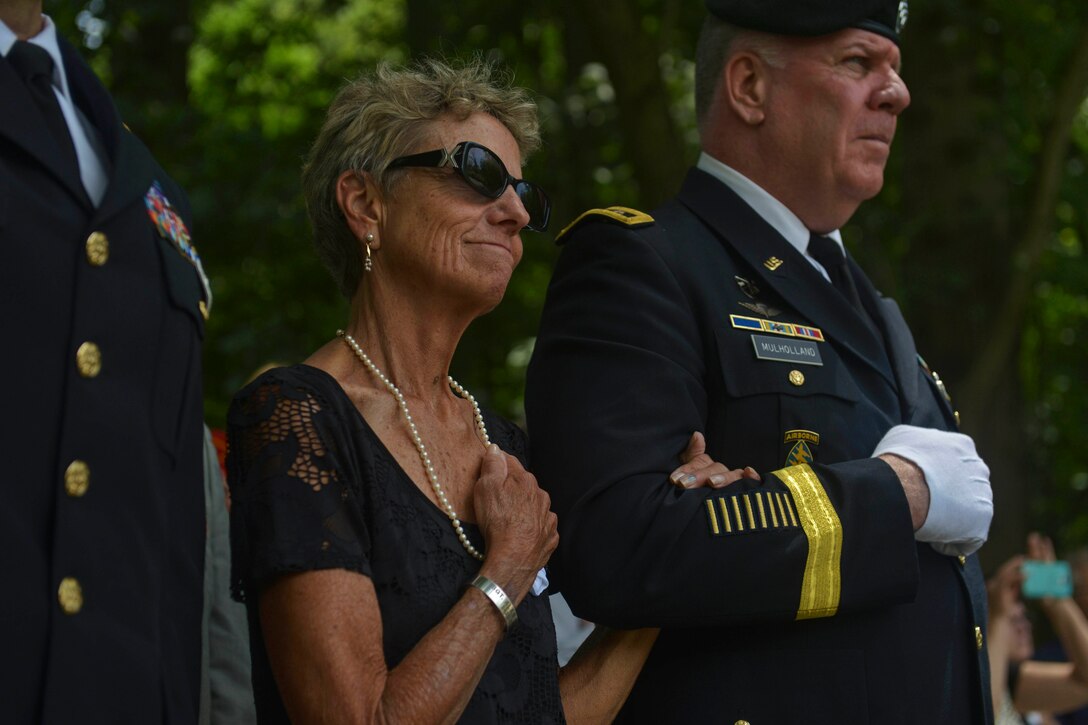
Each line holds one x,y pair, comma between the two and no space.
102,510
843,587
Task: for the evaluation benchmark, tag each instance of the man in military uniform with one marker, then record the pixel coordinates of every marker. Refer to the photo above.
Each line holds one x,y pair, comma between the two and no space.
843,587
101,510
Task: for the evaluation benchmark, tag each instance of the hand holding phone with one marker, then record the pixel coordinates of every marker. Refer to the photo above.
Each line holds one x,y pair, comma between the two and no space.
1047,579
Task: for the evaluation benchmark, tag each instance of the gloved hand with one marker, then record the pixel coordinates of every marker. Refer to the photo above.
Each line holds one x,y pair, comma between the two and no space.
961,502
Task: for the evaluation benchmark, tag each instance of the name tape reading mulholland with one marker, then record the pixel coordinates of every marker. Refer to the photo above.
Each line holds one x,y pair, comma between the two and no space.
793,351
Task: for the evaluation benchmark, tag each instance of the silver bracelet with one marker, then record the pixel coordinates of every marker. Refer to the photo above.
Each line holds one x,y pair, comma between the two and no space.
498,597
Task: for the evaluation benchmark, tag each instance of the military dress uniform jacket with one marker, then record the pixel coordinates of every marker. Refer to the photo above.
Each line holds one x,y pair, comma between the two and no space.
101,507
800,599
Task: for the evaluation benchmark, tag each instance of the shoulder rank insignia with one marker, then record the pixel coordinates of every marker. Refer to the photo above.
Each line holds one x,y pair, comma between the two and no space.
620,214
172,227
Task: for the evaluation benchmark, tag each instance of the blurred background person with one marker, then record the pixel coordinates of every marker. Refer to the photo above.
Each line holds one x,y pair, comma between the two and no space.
226,689
1053,651
1022,684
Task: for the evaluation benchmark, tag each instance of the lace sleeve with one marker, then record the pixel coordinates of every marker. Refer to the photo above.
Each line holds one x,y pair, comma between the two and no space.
293,505
508,436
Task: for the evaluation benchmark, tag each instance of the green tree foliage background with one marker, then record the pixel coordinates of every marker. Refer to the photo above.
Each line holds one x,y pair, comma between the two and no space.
979,232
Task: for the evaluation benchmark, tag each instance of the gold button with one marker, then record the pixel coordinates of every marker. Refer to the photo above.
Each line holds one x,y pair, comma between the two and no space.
89,360
978,637
742,722
956,415
797,377
203,309
70,595
77,478
98,249
963,560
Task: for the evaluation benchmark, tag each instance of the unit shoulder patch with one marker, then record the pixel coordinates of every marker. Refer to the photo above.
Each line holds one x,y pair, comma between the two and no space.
617,214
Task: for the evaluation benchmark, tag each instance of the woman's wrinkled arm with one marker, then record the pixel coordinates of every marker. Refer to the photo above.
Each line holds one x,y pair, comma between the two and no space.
599,677
323,632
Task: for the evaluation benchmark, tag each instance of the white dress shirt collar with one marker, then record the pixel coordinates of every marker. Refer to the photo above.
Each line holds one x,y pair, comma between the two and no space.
774,212
46,39
85,138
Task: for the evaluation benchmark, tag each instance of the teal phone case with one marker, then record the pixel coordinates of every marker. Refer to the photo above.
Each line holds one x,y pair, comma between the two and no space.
1047,579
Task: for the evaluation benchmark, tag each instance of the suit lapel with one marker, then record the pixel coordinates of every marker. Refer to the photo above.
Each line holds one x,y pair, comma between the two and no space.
89,95
129,166
23,124
897,337
131,175
797,282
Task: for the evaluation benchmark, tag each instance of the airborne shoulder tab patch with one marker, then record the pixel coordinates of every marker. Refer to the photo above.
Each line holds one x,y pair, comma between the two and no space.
618,214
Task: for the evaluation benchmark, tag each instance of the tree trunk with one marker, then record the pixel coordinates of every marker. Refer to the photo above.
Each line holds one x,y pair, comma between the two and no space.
149,61
650,136
975,240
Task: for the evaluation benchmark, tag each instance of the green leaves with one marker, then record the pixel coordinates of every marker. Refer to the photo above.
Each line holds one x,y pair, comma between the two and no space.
979,232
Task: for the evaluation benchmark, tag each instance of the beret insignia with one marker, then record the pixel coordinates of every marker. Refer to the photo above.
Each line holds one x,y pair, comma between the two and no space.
812,18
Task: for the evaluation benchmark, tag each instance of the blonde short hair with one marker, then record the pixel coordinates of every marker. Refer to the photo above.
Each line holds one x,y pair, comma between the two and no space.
384,114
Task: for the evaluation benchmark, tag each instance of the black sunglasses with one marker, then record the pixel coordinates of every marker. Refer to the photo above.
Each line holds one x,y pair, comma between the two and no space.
485,172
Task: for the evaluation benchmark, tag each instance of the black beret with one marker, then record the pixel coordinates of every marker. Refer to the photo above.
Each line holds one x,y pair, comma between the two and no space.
813,17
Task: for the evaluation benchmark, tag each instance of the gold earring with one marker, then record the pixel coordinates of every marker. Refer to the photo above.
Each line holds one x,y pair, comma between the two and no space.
368,265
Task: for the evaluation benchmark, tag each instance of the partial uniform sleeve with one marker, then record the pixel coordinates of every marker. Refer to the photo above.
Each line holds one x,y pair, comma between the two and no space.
226,694
618,382
294,507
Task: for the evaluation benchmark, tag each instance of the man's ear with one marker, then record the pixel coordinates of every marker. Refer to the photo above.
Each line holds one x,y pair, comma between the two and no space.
360,201
744,87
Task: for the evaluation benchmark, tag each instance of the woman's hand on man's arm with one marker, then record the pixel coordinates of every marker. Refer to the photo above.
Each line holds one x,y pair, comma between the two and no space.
699,469
598,679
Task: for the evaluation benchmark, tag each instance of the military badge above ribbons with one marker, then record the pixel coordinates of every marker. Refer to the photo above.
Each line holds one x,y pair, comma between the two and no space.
171,226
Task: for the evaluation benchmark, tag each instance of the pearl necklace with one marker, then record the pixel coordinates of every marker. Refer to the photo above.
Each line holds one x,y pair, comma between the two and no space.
481,431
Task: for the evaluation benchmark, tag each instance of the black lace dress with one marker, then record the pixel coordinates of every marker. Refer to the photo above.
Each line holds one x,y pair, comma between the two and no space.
312,487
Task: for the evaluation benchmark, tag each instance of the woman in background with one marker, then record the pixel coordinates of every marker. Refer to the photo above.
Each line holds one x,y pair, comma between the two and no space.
1019,683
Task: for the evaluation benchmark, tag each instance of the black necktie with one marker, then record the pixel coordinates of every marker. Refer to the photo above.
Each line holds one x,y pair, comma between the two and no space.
35,66
829,254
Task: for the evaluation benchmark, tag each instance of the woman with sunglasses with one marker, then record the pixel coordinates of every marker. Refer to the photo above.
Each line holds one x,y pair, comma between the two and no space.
355,476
